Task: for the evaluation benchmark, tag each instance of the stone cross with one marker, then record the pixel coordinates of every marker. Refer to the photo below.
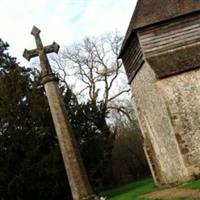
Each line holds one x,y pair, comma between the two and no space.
41,51
78,180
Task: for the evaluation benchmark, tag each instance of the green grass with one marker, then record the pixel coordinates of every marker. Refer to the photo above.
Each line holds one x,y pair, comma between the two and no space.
131,191
191,185
134,191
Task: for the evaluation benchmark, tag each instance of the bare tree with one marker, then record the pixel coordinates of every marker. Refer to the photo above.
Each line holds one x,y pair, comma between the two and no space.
92,68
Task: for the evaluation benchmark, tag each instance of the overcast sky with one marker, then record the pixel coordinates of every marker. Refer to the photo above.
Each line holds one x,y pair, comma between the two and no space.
63,21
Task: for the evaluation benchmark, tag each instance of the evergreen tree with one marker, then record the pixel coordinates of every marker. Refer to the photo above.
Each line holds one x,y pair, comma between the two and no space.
94,136
31,166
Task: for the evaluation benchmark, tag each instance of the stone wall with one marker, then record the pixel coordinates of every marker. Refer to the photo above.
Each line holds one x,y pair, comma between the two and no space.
154,103
181,94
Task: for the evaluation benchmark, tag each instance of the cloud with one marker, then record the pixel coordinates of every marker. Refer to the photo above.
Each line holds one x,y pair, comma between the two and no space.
64,21
103,16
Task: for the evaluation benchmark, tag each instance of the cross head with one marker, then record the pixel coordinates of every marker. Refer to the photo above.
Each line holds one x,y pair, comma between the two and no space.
41,51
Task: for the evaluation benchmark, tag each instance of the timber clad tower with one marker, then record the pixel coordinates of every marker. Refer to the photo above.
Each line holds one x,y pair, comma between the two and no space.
161,55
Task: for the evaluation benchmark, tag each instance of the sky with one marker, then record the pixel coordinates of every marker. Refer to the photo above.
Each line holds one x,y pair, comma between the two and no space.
63,21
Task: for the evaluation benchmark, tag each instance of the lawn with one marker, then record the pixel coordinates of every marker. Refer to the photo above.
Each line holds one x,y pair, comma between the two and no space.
134,191
191,185
131,191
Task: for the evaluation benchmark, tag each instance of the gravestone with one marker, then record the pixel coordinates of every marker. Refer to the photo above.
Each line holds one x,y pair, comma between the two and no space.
77,177
161,55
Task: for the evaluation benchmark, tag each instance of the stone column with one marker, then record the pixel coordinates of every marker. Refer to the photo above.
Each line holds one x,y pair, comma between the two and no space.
80,187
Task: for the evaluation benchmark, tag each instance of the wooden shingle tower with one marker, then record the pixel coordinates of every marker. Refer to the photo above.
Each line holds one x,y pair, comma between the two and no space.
161,55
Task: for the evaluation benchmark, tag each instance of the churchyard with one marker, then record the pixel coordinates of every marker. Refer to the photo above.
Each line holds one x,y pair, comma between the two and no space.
75,141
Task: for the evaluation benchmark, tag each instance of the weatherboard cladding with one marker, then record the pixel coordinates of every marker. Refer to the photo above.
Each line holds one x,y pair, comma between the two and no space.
163,45
148,12
132,59
168,36
172,47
